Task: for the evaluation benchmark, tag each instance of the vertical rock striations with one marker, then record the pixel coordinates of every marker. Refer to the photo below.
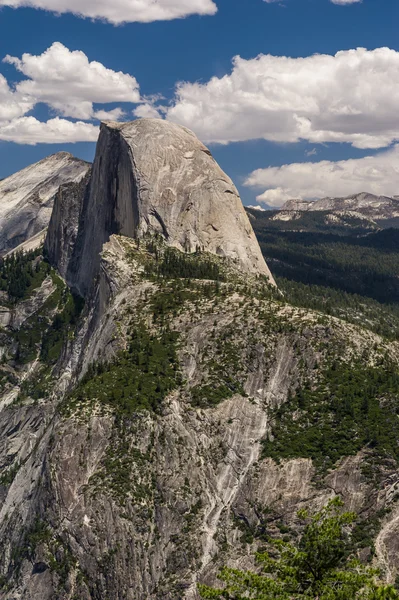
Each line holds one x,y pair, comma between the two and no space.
152,176
64,223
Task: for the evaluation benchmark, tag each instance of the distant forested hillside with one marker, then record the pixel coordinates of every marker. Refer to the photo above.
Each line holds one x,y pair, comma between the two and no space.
348,269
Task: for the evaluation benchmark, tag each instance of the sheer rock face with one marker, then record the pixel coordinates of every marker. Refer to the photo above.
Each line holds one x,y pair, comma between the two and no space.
27,197
155,176
64,223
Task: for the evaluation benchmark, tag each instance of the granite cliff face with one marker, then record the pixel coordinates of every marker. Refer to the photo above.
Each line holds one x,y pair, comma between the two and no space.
142,435
151,176
26,198
63,228
101,501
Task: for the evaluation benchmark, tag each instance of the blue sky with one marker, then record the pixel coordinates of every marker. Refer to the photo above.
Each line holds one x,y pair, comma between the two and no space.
273,117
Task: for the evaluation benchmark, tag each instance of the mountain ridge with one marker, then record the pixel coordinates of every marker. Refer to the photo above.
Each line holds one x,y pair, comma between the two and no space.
370,206
26,197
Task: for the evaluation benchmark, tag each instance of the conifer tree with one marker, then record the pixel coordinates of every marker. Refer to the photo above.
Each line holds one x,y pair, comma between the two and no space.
321,566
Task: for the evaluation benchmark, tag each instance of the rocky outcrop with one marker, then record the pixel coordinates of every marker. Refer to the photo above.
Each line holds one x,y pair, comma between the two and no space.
26,198
380,206
294,205
144,507
32,243
370,206
152,176
64,223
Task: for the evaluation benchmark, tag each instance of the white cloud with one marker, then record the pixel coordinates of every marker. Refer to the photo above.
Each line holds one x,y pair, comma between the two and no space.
12,105
147,111
378,174
121,11
109,115
255,207
69,83
28,130
350,97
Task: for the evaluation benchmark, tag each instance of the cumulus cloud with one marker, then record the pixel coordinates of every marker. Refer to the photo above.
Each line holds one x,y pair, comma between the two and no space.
378,174
28,130
12,105
71,86
69,83
109,115
122,11
349,97
147,111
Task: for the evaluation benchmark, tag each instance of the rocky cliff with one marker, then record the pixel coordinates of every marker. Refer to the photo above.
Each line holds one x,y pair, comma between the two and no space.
186,412
151,176
26,198
155,469
63,228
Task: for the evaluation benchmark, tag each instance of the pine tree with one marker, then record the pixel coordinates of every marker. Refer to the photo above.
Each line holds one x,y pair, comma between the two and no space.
321,566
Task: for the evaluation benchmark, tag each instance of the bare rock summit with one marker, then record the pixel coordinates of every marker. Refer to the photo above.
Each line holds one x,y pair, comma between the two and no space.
27,197
152,176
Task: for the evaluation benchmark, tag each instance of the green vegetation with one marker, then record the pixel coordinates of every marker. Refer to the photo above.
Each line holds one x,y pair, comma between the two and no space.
320,566
44,333
170,299
367,529
39,533
21,273
348,407
7,379
58,555
62,326
8,475
348,270
124,470
206,396
361,266
359,310
139,378
170,263
36,387
222,365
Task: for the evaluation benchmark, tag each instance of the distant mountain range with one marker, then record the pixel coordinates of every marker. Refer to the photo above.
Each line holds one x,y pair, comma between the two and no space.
381,210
